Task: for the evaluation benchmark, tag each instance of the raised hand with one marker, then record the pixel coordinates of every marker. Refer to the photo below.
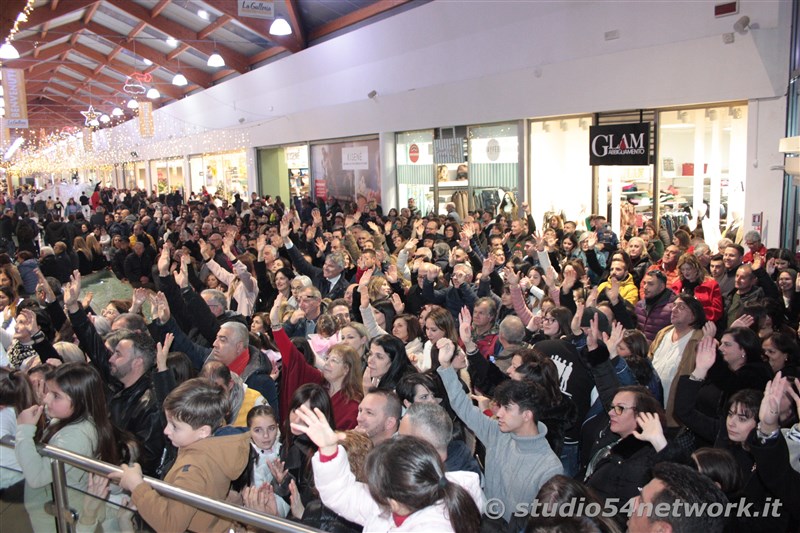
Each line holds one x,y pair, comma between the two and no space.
316,426
706,356
613,340
391,274
651,431
511,276
411,244
163,262
261,243
769,411
72,290
206,250
709,329
163,314
465,325
613,290
363,282
87,299
278,470
296,503
744,321
758,261
570,278
286,229
771,266
593,336
49,295
275,312
433,272
447,351
139,296
261,499
316,216
488,266
162,351
398,304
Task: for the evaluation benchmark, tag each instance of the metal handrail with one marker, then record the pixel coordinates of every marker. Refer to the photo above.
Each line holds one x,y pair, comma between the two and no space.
215,507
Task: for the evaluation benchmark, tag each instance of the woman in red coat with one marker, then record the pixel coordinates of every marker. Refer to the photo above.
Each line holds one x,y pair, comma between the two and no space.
695,281
340,375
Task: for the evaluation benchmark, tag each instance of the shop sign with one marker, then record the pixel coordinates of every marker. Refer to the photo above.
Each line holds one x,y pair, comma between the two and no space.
493,150
413,153
257,9
620,144
15,97
355,158
296,156
320,190
448,150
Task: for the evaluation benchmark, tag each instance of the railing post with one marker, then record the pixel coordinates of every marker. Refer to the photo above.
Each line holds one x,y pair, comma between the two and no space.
60,496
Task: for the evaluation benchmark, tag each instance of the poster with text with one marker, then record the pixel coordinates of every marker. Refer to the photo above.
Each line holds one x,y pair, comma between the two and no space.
349,169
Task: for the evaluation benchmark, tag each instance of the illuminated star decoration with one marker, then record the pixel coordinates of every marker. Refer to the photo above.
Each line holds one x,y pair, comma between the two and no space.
90,116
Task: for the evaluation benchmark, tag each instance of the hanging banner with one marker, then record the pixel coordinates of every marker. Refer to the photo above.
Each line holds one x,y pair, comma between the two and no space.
146,128
349,170
620,144
88,146
15,97
257,9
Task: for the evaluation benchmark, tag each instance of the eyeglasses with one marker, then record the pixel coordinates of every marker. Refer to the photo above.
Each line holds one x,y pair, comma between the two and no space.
619,409
548,319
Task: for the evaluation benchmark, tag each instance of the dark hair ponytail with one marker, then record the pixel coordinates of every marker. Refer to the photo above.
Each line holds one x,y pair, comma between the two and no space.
461,508
409,471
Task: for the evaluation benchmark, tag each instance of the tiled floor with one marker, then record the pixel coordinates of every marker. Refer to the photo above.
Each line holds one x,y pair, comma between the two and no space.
105,287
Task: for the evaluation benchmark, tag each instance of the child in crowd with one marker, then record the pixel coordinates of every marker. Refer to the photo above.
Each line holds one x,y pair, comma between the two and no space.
195,410
76,406
265,447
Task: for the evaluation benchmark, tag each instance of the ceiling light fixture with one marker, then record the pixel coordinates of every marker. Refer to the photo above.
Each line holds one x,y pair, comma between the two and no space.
105,119
215,60
172,42
180,80
117,112
153,93
203,14
7,51
280,27
147,62
132,104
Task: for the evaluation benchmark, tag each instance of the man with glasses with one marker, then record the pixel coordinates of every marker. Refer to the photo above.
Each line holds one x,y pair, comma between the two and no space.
303,321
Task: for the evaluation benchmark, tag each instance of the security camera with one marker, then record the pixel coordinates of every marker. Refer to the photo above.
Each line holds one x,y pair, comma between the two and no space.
742,25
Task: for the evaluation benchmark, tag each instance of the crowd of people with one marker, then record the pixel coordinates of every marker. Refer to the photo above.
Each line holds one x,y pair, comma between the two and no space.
354,369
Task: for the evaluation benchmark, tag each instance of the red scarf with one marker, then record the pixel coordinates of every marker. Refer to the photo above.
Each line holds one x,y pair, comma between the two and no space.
238,364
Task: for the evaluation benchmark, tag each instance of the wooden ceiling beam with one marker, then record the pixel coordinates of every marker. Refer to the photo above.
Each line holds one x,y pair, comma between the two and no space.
53,5
44,55
214,26
355,17
121,68
136,31
178,51
45,27
194,75
32,44
159,7
295,21
40,16
233,59
114,53
90,11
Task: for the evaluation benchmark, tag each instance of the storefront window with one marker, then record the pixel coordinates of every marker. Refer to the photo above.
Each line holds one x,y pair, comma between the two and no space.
415,170
493,167
561,177
135,175
167,175
702,164
221,174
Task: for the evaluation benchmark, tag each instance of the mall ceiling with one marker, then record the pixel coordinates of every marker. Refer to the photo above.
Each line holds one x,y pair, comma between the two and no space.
77,53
